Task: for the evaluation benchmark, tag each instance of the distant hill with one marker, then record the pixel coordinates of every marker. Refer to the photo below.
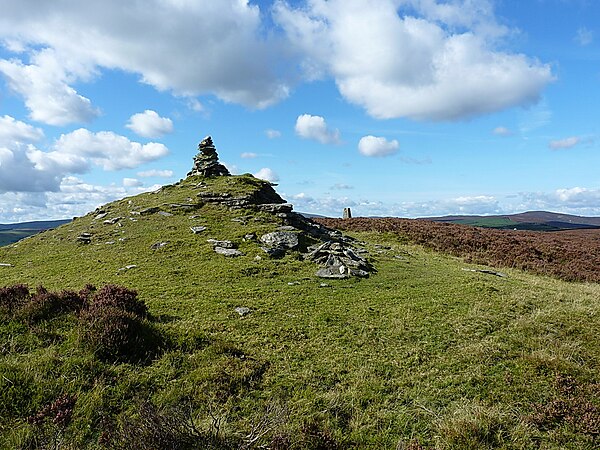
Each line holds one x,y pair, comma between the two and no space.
14,232
531,220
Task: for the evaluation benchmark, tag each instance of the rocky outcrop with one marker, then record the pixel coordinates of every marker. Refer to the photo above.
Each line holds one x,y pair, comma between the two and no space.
281,239
206,162
339,260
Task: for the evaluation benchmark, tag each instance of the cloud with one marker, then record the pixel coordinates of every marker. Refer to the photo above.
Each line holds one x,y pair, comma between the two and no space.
26,168
215,47
377,146
561,144
149,124
273,134
155,173
132,182
395,58
413,62
12,130
267,174
584,36
502,131
574,200
341,186
74,197
314,127
248,155
107,149
44,85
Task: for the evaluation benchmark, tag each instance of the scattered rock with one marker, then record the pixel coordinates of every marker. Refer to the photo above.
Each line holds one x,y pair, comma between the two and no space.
148,211
194,217
222,244
164,214
243,311
5,265
112,221
130,266
281,239
206,162
293,283
231,252
101,215
109,242
323,285
287,228
489,272
198,229
158,245
85,238
183,206
250,237
275,208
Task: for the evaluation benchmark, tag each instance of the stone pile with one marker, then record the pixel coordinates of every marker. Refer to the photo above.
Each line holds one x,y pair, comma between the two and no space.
206,162
339,260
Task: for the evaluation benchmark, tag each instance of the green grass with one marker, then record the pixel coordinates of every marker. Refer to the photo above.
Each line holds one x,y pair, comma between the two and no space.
421,352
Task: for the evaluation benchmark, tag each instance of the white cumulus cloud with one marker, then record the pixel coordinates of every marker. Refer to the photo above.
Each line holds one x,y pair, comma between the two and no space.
216,47
406,59
108,150
12,130
315,127
44,85
149,124
377,146
561,144
267,174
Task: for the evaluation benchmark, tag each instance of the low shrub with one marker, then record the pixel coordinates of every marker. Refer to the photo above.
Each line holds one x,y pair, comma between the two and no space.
118,297
44,305
12,298
116,335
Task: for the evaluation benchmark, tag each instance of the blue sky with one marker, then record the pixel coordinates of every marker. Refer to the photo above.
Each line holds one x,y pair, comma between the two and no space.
404,108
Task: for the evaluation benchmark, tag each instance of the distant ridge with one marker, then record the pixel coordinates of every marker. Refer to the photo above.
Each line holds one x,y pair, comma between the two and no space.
530,220
13,232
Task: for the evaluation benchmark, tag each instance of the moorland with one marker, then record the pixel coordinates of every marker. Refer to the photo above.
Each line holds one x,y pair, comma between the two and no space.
130,331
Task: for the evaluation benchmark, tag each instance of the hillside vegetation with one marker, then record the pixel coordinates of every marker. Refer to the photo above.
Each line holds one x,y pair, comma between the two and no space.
568,255
130,344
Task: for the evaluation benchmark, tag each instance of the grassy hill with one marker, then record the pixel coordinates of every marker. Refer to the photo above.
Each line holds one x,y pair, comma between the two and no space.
531,221
14,232
422,354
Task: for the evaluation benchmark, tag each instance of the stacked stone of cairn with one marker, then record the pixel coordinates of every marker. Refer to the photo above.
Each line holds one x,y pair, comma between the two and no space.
206,162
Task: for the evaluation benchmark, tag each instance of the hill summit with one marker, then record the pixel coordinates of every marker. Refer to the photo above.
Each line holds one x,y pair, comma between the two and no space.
208,211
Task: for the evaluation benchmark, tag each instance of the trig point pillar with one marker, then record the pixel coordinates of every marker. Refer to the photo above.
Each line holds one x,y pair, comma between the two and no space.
347,213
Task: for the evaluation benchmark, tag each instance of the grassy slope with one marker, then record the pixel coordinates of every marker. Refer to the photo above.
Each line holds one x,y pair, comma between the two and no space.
420,352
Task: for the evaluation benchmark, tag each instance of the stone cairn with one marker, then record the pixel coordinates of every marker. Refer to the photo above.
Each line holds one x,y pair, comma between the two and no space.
206,162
